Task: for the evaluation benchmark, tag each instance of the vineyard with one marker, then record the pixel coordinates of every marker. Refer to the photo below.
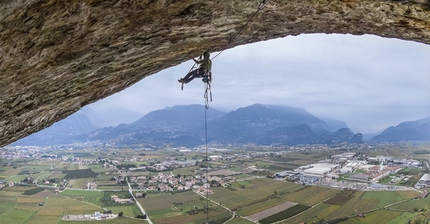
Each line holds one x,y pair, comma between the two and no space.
316,213
33,191
341,198
284,214
77,174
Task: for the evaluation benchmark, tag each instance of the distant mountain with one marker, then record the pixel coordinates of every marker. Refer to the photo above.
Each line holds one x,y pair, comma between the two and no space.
418,130
333,124
178,125
95,118
66,131
183,117
248,123
185,126
300,134
111,116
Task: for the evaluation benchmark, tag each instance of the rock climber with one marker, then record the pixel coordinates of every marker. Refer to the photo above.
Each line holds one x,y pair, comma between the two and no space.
204,71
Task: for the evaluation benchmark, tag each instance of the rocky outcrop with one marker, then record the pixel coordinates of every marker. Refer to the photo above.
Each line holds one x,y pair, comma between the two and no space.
57,56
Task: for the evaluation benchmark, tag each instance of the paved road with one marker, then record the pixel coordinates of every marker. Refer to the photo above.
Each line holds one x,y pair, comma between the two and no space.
130,189
232,212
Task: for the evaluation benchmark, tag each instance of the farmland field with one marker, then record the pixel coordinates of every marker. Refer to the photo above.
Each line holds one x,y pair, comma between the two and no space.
289,212
6,205
384,197
409,205
185,207
347,209
165,201
341,198
256,191
376,217
403,218
271,211
184,171
59,205
33,191
130,210
16,216
310,195
199,218
320,211
90,196
76,174
72,193
261,194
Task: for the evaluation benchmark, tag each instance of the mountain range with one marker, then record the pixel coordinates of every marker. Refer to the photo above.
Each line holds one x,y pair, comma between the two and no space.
188,125
418,130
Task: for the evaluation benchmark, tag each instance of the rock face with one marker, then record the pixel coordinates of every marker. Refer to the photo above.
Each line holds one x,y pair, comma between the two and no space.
57,56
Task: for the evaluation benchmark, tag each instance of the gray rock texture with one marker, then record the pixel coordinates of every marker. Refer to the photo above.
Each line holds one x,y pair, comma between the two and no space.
57,56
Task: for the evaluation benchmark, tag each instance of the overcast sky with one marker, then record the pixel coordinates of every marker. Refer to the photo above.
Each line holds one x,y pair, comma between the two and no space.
369,82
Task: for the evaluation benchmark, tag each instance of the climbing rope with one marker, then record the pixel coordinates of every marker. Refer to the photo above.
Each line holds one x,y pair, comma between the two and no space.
263,4
207,165
208,98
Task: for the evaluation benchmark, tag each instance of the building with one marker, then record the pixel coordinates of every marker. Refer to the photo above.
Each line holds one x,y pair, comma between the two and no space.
284,174
320,169
424,181
91,186
359,177
118,200
307,179
346,169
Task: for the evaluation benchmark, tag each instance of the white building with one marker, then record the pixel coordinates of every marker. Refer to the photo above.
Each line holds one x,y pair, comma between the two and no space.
424,181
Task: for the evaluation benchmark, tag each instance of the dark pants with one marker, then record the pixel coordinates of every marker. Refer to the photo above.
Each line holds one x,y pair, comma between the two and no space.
198,73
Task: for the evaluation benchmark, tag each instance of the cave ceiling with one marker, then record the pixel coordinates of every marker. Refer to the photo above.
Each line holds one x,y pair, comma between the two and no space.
58,56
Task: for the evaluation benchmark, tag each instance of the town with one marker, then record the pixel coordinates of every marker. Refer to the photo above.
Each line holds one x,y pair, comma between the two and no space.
127,176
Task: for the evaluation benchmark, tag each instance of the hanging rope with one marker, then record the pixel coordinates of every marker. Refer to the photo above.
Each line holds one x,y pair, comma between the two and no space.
260,7
207,166
208,98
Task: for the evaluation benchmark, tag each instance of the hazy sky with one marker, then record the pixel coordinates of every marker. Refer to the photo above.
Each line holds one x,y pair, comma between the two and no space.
369,82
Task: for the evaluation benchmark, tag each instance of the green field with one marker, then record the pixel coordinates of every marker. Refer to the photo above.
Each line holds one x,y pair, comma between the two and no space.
316,213
410,205
6,205
184,207
376,217
90,196
128,210
72,193
16,216
18,208
287,213
384,197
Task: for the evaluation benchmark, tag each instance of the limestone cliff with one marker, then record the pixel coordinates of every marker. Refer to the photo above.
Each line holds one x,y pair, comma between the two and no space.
57,56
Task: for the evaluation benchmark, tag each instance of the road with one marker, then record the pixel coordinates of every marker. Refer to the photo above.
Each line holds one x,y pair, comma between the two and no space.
130,189
232,212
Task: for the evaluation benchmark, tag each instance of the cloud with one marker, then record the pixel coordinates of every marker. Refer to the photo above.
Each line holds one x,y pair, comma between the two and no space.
367,81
